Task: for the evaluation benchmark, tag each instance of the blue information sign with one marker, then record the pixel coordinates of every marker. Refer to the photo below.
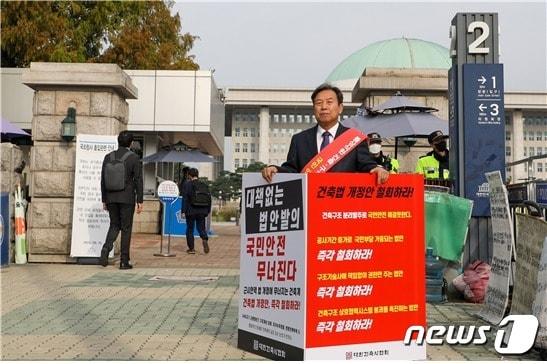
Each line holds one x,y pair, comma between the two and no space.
484,131
174,224
541,193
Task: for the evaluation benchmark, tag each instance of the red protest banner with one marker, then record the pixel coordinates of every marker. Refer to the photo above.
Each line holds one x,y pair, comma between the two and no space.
365,259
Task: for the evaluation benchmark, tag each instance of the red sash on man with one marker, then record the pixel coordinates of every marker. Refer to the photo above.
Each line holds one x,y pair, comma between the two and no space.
335,151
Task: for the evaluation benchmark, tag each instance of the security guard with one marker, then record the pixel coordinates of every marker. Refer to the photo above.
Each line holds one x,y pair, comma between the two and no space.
375,149
434,165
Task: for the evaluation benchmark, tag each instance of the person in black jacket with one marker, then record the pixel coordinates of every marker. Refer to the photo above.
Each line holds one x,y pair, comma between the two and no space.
327,107
195,215
121,204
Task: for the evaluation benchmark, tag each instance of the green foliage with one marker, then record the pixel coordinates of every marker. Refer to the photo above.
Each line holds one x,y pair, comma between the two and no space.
253,167
227,186
225,214
133,34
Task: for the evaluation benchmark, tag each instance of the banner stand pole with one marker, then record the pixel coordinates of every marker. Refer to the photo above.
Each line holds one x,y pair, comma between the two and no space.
168,254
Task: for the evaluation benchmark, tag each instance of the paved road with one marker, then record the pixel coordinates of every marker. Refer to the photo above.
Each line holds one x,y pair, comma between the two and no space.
79,312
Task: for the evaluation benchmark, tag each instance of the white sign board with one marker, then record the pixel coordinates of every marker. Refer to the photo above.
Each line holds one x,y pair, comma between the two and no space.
272,267
530,288
168,191
89,221
497,294
539,306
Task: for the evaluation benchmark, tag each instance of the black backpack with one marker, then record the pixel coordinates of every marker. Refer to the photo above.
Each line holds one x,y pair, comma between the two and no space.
114,172
200,196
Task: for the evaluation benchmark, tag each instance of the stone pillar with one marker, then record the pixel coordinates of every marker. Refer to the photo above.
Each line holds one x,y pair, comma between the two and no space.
519,171
264,140
99,93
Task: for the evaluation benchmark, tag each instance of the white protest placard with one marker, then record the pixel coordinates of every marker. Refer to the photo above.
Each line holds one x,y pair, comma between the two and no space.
497,294
530,287
539,306
272,266
89,221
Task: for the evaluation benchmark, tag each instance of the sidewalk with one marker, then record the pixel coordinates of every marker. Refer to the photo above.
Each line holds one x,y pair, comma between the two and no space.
79,312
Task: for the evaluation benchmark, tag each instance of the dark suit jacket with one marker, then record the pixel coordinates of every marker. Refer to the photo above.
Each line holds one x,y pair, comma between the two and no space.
133,180
304,147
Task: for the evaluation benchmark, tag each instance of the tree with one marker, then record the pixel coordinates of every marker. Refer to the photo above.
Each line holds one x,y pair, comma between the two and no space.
228,185
133,34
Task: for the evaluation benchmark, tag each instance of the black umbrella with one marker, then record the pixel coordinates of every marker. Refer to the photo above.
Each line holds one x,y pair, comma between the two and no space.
179,156
398,117
400,103
402,124
10,130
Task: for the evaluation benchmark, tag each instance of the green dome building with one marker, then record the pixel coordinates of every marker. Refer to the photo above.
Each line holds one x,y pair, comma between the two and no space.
400,53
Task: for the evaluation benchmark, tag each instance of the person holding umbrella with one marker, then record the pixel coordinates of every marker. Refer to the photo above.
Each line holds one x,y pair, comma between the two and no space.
375,149
434,165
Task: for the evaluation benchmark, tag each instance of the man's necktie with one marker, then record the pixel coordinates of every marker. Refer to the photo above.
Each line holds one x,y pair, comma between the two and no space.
326,140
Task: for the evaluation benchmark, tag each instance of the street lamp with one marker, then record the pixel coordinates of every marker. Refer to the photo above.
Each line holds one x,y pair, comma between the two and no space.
68,125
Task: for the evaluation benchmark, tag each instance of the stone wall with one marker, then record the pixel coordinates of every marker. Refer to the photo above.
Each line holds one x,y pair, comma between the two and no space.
98,93
148,221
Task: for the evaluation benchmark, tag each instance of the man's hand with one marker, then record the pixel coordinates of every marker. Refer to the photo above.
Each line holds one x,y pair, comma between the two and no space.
381,174
269,172
139,208
104,207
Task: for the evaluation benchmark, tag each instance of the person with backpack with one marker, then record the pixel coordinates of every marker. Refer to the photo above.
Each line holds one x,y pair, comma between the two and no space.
121,189
196,207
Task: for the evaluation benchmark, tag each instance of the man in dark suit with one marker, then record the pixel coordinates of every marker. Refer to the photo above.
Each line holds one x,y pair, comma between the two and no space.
120,204
327,107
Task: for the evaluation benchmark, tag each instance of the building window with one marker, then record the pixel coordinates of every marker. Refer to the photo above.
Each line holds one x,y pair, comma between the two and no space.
253,132
237,148
236,163
539,134
507,135
539,167
532,152
252,147
508,151
525,152
291,118
275,132
545,135
245,163
530,135
283,118
539,151
276,118
245,147
237,132
307,119
299,119
274,148
245,132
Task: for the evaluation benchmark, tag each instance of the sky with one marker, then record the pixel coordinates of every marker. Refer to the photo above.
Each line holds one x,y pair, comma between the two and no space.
289,44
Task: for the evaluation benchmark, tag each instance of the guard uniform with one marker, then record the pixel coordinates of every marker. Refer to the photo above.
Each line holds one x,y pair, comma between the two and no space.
433,166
